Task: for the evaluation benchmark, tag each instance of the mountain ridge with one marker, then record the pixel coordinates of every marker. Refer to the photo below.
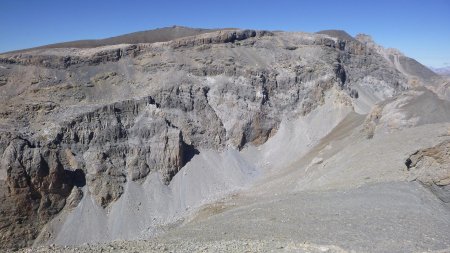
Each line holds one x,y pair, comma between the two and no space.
445,71
148,36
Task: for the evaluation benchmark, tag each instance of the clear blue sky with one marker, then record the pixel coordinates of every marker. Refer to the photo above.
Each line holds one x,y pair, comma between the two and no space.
420,29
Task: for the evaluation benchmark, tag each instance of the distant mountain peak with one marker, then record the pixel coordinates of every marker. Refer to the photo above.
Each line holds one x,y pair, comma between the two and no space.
443,71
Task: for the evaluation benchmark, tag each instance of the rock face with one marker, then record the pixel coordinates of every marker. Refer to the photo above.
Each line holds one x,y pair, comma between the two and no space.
97,118
431,166
36,187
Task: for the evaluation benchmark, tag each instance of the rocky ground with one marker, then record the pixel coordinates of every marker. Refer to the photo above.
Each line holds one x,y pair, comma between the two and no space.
376,218
189,246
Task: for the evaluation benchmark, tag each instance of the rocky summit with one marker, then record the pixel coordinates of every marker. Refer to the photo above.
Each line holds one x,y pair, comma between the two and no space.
181,139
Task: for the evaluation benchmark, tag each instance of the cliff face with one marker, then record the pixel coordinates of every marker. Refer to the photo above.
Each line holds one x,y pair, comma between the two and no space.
96,118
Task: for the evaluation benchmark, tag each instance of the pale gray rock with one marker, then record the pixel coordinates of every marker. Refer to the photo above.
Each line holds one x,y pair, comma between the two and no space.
431,166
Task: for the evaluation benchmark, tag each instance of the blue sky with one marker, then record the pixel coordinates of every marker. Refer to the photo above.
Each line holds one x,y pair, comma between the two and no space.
420,29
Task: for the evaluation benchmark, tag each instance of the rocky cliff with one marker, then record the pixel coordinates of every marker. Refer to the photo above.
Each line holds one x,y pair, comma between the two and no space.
85,121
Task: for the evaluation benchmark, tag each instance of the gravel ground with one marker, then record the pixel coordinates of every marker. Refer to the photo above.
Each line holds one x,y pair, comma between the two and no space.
192,246
386,217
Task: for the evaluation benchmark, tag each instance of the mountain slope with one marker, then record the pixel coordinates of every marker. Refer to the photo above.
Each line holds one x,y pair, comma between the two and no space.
150,36
130,141
402,63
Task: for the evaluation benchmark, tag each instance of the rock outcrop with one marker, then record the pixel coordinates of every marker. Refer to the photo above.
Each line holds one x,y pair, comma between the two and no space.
431,166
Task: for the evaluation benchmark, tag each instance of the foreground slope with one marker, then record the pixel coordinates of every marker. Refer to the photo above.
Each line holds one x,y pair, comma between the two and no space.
316,137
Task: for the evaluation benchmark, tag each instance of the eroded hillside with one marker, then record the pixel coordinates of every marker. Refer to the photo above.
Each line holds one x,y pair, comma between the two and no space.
115,142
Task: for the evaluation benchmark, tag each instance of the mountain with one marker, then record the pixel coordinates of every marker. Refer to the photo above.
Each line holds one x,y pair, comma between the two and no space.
445,71
149,36
223,140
